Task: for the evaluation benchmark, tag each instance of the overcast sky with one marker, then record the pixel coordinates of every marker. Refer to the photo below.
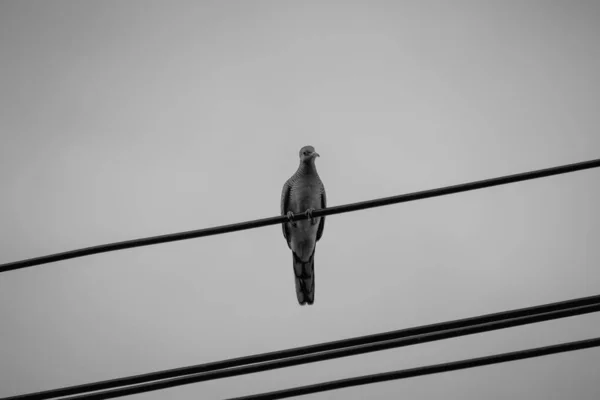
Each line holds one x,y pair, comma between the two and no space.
126,119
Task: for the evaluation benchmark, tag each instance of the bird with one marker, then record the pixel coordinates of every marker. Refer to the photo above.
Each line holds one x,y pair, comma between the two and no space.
304,192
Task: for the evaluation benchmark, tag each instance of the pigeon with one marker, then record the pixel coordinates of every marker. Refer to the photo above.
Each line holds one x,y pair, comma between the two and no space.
303,193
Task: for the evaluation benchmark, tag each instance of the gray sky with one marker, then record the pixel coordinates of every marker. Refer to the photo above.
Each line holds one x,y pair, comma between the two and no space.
126,119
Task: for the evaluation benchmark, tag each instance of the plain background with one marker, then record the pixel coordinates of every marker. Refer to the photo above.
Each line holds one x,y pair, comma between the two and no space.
126,119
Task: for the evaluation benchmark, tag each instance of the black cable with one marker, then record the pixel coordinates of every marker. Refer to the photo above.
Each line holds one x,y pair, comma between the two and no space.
541,173
323,351
428,370
271,365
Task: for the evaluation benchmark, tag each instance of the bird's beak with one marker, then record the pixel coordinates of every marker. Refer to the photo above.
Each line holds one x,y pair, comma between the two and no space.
315,154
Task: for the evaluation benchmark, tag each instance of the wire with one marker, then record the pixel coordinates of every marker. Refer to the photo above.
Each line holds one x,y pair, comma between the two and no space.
428,370
271,365
323,351
541,173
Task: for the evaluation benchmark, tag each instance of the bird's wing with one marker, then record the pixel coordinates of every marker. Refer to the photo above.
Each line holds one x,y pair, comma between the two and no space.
285,201
322,222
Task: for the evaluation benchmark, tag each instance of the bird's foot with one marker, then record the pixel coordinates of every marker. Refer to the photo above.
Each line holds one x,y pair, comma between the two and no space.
309,215
290,216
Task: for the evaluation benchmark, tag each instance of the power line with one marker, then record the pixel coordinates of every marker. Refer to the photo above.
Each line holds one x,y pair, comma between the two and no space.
428,370
503,180
305,359
323,351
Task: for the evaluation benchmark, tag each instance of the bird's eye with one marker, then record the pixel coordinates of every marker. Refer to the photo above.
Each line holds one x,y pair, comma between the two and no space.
306,153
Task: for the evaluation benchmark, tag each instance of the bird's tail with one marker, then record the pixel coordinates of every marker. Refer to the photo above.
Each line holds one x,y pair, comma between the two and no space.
304,274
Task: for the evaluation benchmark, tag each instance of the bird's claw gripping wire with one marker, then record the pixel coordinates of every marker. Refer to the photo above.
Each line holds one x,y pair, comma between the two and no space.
290,216
309,215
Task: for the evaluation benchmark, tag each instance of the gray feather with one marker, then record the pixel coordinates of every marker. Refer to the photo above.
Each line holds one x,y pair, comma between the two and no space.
303,191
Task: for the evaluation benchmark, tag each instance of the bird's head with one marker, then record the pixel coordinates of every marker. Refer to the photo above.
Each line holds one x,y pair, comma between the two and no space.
308,154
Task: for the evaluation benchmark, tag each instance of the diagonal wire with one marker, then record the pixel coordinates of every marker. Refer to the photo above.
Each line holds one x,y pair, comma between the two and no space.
503,180
427,370
368,348
323,351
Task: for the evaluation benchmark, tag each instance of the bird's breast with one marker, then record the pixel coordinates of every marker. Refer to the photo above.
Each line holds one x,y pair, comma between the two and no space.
304,196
